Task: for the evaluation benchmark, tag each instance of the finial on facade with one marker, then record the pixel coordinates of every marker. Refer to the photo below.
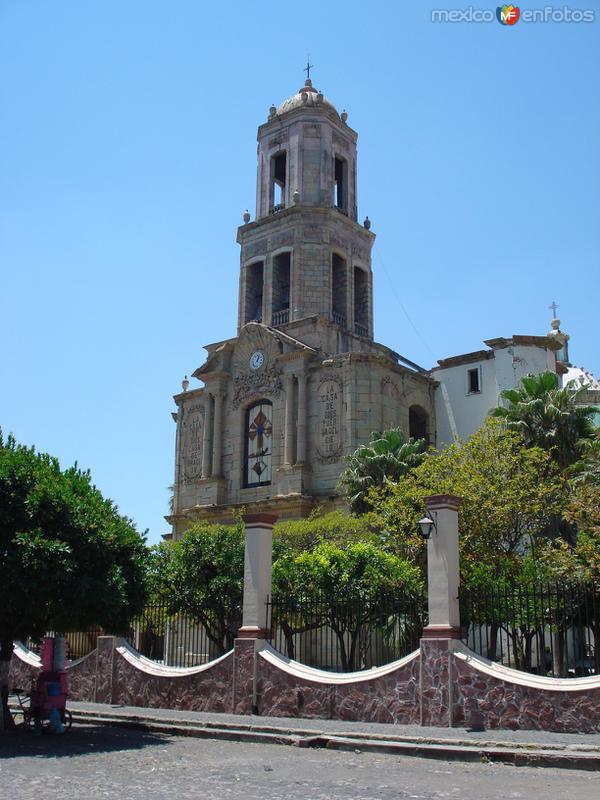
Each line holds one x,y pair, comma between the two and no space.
185,384
304,97
367,223
246,216
296,197
272,111
344,117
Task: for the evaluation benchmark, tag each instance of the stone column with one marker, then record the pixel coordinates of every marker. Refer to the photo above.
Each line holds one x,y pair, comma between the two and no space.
302,419
288,456
257,574
206,455
443,568
440,635
217,435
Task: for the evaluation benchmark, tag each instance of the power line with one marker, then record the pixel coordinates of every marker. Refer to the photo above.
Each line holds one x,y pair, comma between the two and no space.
418,333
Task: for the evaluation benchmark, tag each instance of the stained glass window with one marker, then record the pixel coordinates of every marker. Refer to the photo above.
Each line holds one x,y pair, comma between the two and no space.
259,439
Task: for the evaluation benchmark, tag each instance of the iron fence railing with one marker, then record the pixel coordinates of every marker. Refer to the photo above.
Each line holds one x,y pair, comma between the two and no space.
345,634
546,629
172,639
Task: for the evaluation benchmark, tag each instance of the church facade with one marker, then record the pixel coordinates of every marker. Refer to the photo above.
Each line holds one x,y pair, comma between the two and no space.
303,383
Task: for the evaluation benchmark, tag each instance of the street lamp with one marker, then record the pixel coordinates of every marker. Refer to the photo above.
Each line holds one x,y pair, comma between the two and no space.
426,526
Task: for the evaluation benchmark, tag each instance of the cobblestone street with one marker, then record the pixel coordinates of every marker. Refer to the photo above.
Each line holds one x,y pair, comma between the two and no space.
99,762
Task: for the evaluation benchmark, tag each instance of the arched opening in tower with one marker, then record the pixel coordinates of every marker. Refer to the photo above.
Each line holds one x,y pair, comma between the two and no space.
280,308
338,290
253,310
418,423
361,302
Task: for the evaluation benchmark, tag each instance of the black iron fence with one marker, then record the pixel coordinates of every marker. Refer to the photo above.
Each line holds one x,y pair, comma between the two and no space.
177,640
546,629
344,634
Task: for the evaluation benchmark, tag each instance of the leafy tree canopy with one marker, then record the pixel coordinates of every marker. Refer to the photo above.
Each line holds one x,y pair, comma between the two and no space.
359,570
336,527
386,458
548,416
201,575
509,496
68,559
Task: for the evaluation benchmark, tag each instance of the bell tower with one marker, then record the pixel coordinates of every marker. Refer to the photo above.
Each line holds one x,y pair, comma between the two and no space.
305,255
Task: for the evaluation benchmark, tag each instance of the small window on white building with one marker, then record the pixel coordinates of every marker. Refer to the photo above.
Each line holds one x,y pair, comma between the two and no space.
474,381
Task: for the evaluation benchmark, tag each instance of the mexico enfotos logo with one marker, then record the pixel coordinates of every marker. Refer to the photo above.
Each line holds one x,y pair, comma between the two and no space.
509,15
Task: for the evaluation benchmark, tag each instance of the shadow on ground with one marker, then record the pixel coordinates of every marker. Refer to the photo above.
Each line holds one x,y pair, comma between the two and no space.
79,740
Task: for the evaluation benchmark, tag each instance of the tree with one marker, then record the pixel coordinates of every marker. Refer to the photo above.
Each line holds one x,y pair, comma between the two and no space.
68,559
549,417
343,587
387,457
337,527
201,575
509,493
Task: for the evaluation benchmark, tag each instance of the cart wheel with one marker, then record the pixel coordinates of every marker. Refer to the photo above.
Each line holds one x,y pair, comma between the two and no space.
67,720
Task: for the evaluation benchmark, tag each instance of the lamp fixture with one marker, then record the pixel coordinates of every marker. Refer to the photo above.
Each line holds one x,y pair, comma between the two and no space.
426,526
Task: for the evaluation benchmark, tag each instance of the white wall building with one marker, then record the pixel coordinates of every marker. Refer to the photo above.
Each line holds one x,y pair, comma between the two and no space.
470,384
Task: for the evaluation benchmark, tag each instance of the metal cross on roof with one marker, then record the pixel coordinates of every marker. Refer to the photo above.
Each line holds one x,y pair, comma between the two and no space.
308,68
554,306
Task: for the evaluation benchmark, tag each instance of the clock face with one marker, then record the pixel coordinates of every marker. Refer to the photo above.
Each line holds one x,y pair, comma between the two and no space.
257,359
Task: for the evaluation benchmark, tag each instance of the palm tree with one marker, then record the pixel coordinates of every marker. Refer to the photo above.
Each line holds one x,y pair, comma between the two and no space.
387,457
548,416
587,470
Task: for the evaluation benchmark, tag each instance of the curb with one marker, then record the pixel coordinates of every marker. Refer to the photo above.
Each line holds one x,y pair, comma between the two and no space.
526,754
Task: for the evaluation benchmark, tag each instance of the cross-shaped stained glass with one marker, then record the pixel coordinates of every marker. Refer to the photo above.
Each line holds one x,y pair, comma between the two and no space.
259,433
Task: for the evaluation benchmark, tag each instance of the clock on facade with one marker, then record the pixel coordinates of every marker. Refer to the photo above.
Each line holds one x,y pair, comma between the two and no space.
257,359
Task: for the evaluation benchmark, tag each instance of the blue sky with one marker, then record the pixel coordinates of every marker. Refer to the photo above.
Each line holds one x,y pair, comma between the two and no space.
128,155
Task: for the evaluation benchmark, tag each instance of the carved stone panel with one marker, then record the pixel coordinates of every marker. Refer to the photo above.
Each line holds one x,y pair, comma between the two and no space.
330,419
191,445
311,129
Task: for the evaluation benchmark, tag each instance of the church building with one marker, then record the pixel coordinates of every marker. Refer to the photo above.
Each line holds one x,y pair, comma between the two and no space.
303,383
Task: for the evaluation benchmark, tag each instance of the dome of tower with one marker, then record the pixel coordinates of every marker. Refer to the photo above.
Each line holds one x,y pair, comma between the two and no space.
306,97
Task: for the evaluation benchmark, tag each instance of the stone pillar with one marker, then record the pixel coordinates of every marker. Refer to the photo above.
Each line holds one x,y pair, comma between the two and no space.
302,419
288,456
443,630
443,568
257,574
105,662
206,455
217,435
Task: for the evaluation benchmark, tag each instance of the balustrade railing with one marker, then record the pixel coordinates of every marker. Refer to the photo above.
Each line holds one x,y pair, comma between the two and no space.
280,317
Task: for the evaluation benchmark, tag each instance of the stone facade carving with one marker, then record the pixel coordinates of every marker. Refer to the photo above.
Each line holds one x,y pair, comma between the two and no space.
192,431
251,384
330,432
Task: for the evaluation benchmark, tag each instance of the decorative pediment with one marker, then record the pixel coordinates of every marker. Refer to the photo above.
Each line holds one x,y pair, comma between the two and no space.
255,363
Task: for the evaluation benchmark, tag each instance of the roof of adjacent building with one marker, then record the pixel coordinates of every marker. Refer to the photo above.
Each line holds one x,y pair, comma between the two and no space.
498,344
581,377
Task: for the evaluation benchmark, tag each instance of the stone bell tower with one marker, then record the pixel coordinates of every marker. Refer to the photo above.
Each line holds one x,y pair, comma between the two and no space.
303,383
305,254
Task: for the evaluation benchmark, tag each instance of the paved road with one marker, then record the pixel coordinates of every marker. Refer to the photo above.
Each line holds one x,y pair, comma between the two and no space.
110,763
